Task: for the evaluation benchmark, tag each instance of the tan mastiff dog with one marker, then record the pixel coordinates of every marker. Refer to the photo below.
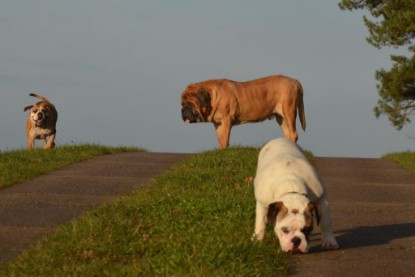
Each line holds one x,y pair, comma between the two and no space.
227,103
41,123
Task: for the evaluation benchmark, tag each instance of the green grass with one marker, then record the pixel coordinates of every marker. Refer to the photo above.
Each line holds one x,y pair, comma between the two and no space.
20,165
404,159
194,220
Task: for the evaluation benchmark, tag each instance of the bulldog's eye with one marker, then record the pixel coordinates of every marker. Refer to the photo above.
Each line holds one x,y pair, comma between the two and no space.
307,230
35,111
285,230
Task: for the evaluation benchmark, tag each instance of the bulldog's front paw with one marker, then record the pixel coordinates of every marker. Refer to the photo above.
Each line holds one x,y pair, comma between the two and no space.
329,242
257,237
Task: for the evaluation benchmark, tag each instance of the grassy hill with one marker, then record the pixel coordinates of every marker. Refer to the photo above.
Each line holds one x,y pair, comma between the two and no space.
194,220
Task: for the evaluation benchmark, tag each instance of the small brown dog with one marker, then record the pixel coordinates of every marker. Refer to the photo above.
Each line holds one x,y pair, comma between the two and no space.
41,123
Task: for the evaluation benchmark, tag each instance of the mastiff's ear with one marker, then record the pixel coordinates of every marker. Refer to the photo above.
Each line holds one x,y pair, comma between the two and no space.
274,209
27,108
311,208
204,97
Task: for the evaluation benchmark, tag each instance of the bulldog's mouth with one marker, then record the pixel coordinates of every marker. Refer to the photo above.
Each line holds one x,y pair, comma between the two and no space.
297,251
295,247
40,122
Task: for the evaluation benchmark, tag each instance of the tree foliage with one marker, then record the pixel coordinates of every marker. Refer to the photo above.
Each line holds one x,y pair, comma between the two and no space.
392,25
397,91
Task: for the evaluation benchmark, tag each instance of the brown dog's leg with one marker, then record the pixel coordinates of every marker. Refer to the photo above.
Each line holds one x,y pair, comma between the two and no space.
223,131
30,137
291,131
30,145
287,125
290,114
50,143
30,142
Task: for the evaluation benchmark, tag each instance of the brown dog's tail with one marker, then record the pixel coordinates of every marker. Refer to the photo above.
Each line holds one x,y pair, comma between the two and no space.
39,96
300,106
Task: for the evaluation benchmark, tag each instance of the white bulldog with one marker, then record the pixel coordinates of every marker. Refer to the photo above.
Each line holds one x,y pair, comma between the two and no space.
290,193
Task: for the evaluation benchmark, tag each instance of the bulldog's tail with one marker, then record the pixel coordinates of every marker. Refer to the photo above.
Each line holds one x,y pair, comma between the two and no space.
39,96
300,106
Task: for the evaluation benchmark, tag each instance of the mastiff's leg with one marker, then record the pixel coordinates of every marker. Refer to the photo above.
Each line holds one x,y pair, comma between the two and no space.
223,131
287,124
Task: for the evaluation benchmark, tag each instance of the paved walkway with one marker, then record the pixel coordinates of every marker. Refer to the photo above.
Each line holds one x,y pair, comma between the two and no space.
33,209
372,202
373,212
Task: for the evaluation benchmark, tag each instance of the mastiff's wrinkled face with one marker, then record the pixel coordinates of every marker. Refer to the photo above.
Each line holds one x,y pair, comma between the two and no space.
196,105
40,113
190,114
293,226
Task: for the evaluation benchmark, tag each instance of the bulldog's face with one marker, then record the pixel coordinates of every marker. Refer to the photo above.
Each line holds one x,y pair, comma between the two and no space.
195,104
40,113
293,226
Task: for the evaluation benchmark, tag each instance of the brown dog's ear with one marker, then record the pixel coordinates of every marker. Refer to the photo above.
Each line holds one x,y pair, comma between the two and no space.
274,209
204,97
27,108
314,212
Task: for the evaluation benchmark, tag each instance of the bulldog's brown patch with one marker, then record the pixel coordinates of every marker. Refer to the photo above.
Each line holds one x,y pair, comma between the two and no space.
276,212
311,211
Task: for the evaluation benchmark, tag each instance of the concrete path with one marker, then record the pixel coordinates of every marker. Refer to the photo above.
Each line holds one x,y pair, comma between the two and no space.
33,209
372,203
373,212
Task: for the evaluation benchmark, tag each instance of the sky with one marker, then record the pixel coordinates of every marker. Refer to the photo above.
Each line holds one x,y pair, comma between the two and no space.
115,71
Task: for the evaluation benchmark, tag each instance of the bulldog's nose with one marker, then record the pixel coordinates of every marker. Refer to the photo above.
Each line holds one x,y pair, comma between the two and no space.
296,241
40,115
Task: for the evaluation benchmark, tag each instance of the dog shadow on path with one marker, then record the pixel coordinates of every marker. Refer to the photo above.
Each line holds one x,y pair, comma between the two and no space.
366,236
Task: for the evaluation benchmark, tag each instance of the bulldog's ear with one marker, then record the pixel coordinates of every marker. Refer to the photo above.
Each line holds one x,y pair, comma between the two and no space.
314,211
274,209
27,108
204,97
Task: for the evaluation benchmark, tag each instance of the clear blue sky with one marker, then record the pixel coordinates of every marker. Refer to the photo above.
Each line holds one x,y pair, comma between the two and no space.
115,70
